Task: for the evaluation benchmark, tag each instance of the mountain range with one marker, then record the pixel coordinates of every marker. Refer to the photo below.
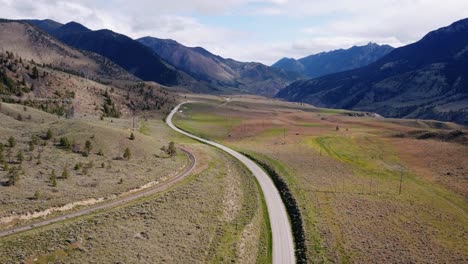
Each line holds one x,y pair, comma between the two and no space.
246,77
427,79
334,61
170,63
136,58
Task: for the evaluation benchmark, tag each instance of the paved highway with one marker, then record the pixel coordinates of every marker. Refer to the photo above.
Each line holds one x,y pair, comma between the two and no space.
283,246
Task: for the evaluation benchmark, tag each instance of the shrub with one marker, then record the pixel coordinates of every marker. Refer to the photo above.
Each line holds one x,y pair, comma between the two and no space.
31,146
20,156
65,172
132,136
65,143
34,139
78,166
11,142
5,166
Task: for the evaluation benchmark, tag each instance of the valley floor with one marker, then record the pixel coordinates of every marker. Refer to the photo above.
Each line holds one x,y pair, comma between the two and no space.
345,172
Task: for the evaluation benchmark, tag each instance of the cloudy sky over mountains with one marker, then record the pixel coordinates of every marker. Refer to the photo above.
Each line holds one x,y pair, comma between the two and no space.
254,30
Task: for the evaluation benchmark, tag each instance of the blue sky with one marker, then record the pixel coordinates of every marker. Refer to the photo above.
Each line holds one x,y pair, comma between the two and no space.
254,30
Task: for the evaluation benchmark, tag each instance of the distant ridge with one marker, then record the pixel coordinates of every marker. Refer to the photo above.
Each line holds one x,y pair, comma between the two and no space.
427,79
334,61
228,74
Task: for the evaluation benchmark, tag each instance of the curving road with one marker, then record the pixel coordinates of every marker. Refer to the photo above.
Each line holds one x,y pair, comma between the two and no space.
106,205
283,246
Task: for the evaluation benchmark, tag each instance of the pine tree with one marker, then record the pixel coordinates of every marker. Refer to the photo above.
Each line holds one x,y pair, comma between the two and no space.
171,150
88,146
13,176
35,73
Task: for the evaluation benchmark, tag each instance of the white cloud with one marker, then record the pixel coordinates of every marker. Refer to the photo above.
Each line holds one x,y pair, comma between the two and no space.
324,24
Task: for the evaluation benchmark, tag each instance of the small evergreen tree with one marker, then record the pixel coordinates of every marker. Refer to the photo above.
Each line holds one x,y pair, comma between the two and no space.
53,179
49,134
127,154
132,136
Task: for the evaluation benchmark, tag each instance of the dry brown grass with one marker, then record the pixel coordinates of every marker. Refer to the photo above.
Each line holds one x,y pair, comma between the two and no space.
98,177
214,216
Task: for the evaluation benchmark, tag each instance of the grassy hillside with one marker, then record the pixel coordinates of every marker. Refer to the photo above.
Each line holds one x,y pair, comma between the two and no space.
99,172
